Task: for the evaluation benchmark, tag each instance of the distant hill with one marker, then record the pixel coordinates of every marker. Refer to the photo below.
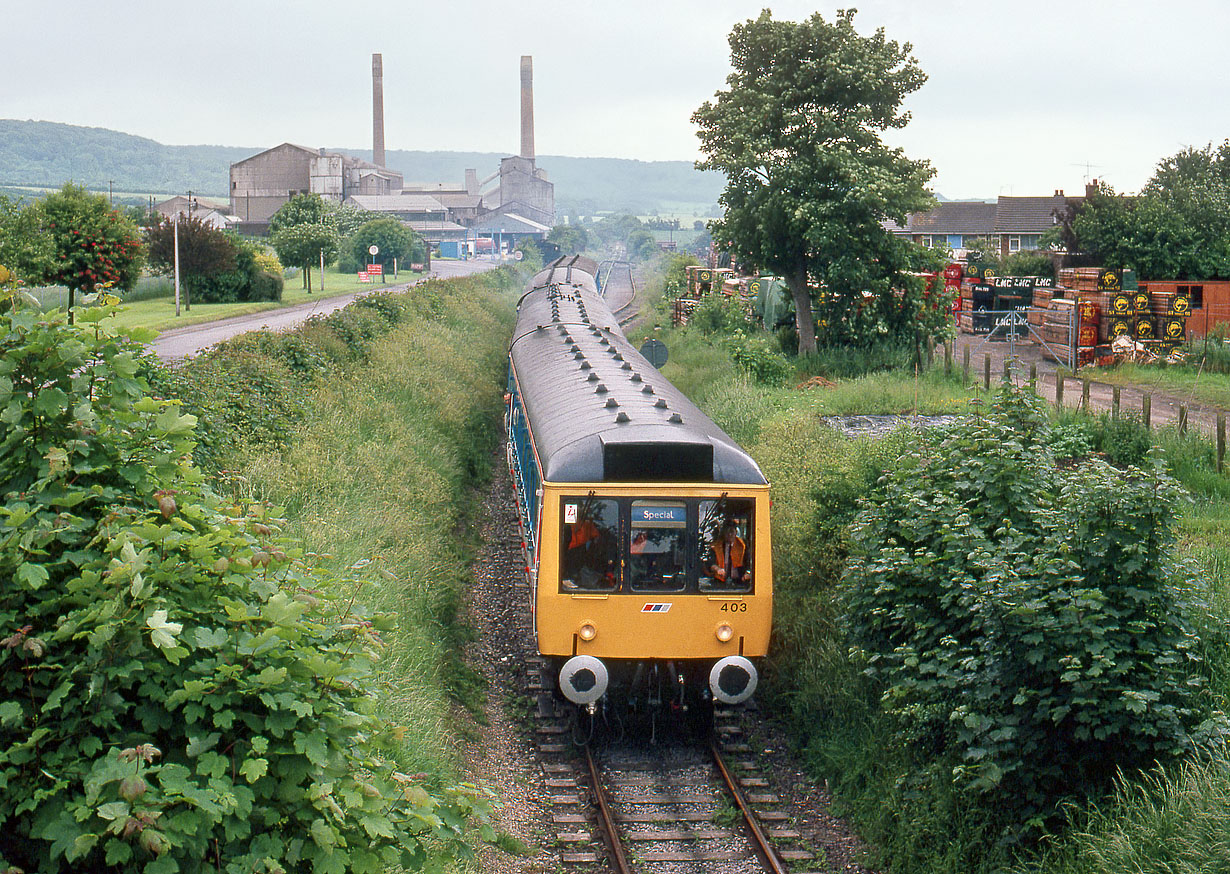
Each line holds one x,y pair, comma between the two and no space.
47,154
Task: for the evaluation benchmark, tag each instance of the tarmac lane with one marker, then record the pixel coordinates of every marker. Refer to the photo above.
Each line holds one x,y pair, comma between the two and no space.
193,339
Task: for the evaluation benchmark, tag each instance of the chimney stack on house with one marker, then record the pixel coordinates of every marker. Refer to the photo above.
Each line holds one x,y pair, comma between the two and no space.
377,110
527,107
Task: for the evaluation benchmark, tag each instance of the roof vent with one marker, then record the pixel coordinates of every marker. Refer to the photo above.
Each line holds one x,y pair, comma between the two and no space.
676,419
648,389
605,342
574,348
585,365
636,377
601,389
593,377
661,404
612,402
626,366
621,417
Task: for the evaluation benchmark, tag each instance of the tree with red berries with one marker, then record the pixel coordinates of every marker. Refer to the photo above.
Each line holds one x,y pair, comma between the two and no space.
93,246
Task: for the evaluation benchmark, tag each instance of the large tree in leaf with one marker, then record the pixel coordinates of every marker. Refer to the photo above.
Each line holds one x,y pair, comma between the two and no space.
797,134
93,246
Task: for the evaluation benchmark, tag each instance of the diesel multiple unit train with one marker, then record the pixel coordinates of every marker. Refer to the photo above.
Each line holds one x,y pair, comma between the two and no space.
645,528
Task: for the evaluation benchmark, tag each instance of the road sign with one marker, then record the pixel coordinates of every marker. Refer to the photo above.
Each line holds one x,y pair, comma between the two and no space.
655,351
373,250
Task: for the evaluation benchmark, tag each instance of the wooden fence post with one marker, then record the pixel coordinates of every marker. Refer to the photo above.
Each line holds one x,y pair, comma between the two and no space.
1221,441
986,372
1007,370
1146,410
947,358
1114,403
1085,394
1182,420
965,367
1033,378
1058,389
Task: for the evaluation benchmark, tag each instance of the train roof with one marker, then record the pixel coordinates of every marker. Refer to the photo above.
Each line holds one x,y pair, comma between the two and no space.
598,410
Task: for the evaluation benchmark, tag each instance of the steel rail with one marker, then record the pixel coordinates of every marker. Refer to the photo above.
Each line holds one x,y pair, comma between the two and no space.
760,841
606,820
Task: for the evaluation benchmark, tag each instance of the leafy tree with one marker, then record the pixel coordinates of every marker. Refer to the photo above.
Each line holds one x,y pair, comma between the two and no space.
302,209
93,246
25,250
204,252
179,689
614,230
303,245
394,240
641,245
808,179
1177,228
570,238
348,218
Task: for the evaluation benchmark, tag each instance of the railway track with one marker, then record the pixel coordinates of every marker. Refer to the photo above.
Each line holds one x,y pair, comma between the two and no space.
673,807
617,283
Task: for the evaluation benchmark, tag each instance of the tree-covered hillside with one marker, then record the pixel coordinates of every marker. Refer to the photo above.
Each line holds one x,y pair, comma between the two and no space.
47,154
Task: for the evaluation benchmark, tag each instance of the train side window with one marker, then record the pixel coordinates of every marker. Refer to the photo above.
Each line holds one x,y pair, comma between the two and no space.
657,552
725,545
589,545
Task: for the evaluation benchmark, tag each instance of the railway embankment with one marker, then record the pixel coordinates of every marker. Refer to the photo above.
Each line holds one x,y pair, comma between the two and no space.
289,614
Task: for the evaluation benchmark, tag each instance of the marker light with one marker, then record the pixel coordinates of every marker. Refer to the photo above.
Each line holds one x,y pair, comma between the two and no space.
588,632
725,632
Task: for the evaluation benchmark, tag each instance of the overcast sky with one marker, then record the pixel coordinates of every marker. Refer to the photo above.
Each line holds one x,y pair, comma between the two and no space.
1022,98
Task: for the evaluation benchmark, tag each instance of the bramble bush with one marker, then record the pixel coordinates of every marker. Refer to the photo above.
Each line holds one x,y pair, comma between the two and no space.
179,689
1020,620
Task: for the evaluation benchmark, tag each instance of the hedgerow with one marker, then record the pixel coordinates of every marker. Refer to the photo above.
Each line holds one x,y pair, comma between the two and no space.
180,690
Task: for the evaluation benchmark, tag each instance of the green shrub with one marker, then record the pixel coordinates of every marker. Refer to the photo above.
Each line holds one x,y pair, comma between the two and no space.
717,314
179,690
1073,438
1125,441
760,362
1019,617
848,362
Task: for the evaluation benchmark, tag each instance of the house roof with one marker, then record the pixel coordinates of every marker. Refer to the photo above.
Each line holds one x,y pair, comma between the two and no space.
1008,215
1027,215
952,217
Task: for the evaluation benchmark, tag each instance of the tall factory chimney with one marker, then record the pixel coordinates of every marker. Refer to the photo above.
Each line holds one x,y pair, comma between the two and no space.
377,110
527,107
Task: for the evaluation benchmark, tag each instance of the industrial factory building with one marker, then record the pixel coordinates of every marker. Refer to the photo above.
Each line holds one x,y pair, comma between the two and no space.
515,201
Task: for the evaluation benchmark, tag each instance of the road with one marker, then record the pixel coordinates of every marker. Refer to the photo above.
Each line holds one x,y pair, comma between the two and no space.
189,340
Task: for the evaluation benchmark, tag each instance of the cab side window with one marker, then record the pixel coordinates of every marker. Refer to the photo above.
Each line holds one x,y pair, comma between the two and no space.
589,545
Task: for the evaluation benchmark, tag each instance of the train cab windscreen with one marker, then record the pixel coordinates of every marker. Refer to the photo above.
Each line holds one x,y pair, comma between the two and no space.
590,541
656,545
657,553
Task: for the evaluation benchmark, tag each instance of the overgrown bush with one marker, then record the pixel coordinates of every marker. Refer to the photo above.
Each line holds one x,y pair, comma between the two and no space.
717,314
759,360
179,690
1019,618
1125,441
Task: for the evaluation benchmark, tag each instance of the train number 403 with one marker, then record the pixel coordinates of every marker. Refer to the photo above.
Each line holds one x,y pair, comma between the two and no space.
735,607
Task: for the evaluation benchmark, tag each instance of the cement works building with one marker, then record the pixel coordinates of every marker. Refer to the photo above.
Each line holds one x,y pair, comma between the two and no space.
457,218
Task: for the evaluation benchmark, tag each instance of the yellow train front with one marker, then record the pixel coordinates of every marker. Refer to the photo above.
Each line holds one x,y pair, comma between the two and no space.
645,527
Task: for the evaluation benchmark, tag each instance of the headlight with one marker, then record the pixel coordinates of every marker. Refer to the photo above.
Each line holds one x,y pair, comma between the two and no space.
724,632
588,631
